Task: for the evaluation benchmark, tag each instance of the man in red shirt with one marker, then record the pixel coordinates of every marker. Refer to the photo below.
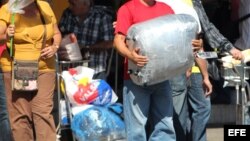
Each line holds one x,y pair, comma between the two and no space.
141,101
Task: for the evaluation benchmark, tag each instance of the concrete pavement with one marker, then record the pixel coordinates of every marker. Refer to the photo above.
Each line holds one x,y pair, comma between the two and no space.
215,134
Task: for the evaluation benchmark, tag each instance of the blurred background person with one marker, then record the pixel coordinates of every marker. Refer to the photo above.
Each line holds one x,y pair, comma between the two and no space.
36,35
5,129
93,28
243,42
191,90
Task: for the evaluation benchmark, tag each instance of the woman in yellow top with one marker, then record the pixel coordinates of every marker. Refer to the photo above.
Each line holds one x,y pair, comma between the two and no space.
30,112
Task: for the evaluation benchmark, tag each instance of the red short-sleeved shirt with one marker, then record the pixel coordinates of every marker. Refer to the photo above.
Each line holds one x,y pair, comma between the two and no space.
2,47
134,12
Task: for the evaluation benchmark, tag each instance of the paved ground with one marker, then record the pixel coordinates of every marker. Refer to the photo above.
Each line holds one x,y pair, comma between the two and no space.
215,134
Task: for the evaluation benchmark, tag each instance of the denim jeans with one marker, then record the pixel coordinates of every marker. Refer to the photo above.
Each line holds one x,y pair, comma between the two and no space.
5,129
199,106
191,107
179,92
139,102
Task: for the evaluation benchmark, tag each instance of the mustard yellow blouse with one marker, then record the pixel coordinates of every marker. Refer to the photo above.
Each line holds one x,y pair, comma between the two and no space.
28,37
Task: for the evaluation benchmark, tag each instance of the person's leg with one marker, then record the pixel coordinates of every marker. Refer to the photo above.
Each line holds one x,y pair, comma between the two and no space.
161,109
19,111
136,101
5,129
179,93
42,105
200,108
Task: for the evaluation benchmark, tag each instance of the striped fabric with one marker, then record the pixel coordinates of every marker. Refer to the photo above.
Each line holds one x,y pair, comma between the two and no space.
212,35
244,27
95,28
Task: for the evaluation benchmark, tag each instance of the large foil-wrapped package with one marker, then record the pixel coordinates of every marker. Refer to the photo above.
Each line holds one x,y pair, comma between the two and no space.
166,41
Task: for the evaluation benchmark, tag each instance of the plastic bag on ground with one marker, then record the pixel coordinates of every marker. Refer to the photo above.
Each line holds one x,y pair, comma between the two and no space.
97,124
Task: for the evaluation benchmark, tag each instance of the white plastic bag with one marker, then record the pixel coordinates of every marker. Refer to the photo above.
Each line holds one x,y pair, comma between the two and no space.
81,89
72,77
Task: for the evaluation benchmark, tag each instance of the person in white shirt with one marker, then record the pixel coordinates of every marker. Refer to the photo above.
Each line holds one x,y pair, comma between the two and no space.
243,42
190,91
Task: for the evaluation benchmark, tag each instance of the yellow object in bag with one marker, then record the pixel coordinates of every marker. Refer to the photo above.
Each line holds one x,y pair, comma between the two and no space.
62,87
188,2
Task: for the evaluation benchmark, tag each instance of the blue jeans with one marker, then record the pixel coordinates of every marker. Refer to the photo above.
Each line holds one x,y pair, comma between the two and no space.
191,107
139,102
5,129
199,107
179,92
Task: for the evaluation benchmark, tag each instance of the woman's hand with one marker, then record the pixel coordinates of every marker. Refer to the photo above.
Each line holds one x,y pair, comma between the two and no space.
49,51
10,30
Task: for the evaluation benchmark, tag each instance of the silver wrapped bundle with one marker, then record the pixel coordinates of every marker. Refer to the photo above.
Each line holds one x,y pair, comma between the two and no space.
166,41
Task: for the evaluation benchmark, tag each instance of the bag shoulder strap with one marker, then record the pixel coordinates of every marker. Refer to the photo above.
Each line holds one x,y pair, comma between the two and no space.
44,25
243,18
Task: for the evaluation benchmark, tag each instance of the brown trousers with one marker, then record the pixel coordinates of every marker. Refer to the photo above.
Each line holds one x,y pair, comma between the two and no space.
30,112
